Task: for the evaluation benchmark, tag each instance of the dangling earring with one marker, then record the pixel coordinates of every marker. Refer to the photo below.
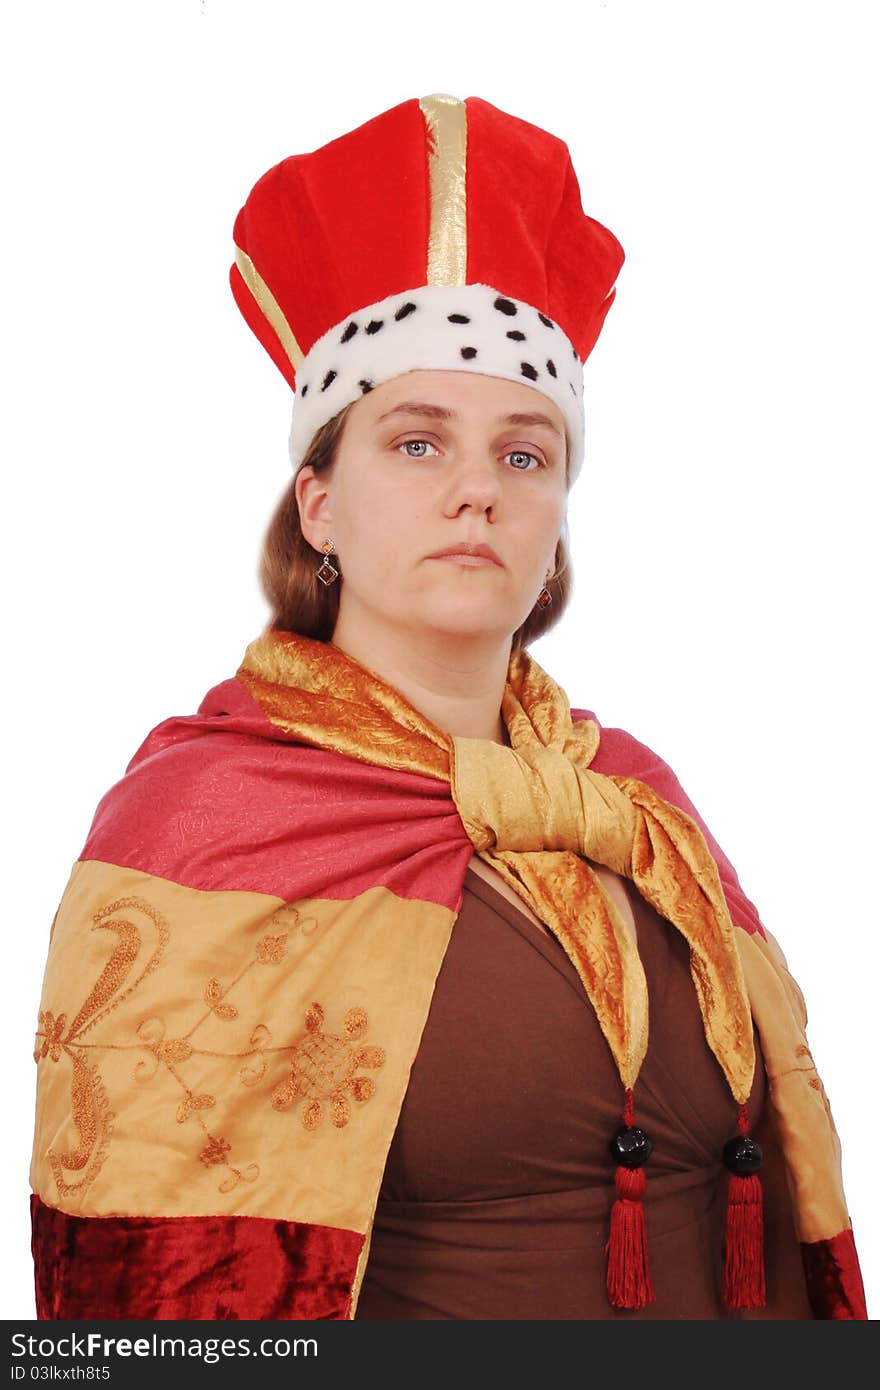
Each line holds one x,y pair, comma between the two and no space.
327,573
545,597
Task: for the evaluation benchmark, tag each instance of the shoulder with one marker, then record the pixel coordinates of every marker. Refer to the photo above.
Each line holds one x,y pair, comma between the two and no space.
225,799
621,753
201,786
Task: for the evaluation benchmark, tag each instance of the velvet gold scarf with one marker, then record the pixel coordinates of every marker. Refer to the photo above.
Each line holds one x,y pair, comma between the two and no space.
538,814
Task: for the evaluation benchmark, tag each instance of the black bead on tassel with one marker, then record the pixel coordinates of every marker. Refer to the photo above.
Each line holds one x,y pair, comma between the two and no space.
628,1278
742,1155
631,1147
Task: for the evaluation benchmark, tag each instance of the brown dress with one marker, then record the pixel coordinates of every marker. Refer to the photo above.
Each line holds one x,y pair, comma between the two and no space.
496,1195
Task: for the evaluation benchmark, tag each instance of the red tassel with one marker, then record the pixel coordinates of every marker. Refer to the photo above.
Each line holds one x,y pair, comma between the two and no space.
744,1282
744,1285
628,1279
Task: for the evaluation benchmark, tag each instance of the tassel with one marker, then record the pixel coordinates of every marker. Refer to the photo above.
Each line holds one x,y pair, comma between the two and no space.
744,1281
628,1278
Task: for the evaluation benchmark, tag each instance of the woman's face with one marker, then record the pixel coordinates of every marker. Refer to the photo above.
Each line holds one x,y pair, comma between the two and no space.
428,462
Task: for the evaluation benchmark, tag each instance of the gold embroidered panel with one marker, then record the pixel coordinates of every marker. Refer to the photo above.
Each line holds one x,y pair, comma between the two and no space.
204,1053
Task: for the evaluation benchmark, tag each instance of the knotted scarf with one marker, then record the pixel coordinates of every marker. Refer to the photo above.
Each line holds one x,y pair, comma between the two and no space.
538,814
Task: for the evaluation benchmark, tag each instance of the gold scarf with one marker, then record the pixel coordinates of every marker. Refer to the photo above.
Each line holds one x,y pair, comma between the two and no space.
537,812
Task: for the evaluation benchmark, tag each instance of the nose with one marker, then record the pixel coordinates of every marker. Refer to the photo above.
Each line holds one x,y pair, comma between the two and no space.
474,484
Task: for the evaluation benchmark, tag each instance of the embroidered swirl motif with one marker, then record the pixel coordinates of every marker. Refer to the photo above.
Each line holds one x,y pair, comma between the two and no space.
89,1105
322,1066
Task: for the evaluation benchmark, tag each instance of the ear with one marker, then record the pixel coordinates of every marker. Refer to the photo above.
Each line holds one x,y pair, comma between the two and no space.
312,491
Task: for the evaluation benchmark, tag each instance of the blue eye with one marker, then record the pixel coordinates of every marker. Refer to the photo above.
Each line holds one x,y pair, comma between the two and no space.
523,453
407,442
425,444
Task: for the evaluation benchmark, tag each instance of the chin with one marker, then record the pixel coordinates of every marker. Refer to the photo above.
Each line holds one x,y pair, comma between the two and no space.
466,620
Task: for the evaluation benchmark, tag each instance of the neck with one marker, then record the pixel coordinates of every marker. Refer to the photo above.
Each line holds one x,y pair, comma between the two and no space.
455,682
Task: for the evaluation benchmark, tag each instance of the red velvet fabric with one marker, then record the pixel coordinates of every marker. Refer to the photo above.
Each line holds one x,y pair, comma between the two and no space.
188,1267
338,228
527,233
834,1281
347,224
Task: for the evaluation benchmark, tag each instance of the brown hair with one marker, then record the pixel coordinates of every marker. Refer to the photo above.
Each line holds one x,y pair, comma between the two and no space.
301,603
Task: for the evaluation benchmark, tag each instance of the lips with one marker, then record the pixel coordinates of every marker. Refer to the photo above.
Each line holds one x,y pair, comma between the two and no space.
466,551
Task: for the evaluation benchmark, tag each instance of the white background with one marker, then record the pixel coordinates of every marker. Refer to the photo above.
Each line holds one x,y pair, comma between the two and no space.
725,523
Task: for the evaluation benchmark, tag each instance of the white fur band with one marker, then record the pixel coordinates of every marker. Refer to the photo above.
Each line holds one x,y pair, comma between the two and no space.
467,328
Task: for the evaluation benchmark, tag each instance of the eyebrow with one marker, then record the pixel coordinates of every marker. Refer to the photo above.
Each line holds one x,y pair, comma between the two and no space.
441,412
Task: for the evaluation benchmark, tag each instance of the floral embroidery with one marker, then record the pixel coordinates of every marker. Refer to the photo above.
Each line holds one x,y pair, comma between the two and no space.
51,1030
271,949
215,1151
259,1041
323,1067
803,1051
214,997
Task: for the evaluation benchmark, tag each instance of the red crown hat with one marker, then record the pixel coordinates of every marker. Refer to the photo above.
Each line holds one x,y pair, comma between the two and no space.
442,234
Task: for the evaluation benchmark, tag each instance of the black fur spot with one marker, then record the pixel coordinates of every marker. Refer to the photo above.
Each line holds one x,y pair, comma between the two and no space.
544,319
349,332
516,335
407,308
505,306
331,376
551,366
468,352
374,325
302,394
458,318
528,370
574,353
365,387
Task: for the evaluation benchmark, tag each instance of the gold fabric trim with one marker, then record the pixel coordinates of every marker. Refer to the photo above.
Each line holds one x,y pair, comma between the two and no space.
446,122
530,813
226,1053
269,307
313,700
564,892
802,1115
674,872
361,1270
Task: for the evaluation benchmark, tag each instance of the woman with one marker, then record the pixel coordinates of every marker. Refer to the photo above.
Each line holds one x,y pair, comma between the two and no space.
273,1081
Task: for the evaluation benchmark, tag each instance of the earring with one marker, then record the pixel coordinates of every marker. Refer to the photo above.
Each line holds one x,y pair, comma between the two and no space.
545,597
327,573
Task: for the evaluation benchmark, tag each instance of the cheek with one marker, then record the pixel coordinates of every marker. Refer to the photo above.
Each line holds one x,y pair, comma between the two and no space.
540,523
378,531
